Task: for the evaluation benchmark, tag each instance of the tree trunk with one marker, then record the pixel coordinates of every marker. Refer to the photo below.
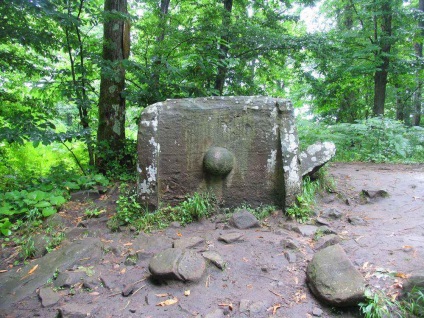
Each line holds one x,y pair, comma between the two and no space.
400,105
111,129
384,42
419,54
223,47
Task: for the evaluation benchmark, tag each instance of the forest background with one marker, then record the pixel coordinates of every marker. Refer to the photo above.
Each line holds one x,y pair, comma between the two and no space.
76,74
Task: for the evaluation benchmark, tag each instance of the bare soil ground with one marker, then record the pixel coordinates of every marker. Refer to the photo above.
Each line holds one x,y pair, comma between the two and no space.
384,239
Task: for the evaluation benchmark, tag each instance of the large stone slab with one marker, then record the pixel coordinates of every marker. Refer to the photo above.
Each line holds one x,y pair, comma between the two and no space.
231,146
315,156
15,286
333,279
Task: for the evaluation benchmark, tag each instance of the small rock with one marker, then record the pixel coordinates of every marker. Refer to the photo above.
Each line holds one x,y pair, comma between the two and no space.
322,221
317,312
215,259
230,237
189,242
48,297
332,214
306,230
244,305
69,279
329,198
131,259
326,230
290,243
290,256
217,313
372,194
243,219
315,156
74,310
128,289
356,220
326,241
175,225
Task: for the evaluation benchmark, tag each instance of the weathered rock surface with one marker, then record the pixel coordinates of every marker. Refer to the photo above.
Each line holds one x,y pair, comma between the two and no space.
73,310
189,242
177,264
218,143
230,237
306,230
215,259
290,243
333,279
315,156
48,297
327,240
15,286
243,219
332,213
416,279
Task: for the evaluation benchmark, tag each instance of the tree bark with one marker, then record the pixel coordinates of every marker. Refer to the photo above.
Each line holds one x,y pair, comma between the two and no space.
111,129
224,47
384,42
419,54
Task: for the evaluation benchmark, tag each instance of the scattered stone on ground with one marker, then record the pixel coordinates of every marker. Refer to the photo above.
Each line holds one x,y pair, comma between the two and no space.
356,220
317,312
215,259
189,242
74,310
68,279
332,213
305,229
323,221
290,256
48,297
315,156
230,237
243,219
333,279
326,240
290,243
373,194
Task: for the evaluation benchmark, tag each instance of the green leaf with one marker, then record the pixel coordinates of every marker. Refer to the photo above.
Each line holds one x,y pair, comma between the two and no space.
57,200
37,195
71,185
42,204
48,211
7,210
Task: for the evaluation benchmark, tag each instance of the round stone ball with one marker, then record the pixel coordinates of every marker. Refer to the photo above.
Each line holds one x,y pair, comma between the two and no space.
218,161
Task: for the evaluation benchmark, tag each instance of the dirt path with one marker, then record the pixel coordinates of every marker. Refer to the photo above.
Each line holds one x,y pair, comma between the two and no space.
262,277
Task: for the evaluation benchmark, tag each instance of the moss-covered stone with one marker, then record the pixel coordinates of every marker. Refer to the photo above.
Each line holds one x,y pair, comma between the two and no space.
218,161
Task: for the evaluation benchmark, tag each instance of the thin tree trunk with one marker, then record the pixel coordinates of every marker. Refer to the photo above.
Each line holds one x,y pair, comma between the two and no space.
419,54
111,129
224,47
384,43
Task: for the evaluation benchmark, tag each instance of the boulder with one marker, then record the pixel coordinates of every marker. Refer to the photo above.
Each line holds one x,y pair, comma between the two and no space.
333,279
315,156
177,264
230,237
189,242
243,219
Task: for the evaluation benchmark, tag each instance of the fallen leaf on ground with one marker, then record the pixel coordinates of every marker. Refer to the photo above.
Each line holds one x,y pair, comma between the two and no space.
162,295
3,270
168,302
179,234
94,294
33,269
274,308
128,244
401,275
230,306
245,259
187,293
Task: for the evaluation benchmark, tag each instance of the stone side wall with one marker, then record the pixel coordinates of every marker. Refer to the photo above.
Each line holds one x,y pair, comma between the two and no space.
257,133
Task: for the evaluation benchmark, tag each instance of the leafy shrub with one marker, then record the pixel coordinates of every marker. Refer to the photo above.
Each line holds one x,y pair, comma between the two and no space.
305,203
129,211
375,139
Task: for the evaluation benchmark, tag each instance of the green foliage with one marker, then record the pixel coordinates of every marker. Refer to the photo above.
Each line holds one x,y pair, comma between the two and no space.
261,212
375,140
41,200
305,203
378,305
130,212
93,213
